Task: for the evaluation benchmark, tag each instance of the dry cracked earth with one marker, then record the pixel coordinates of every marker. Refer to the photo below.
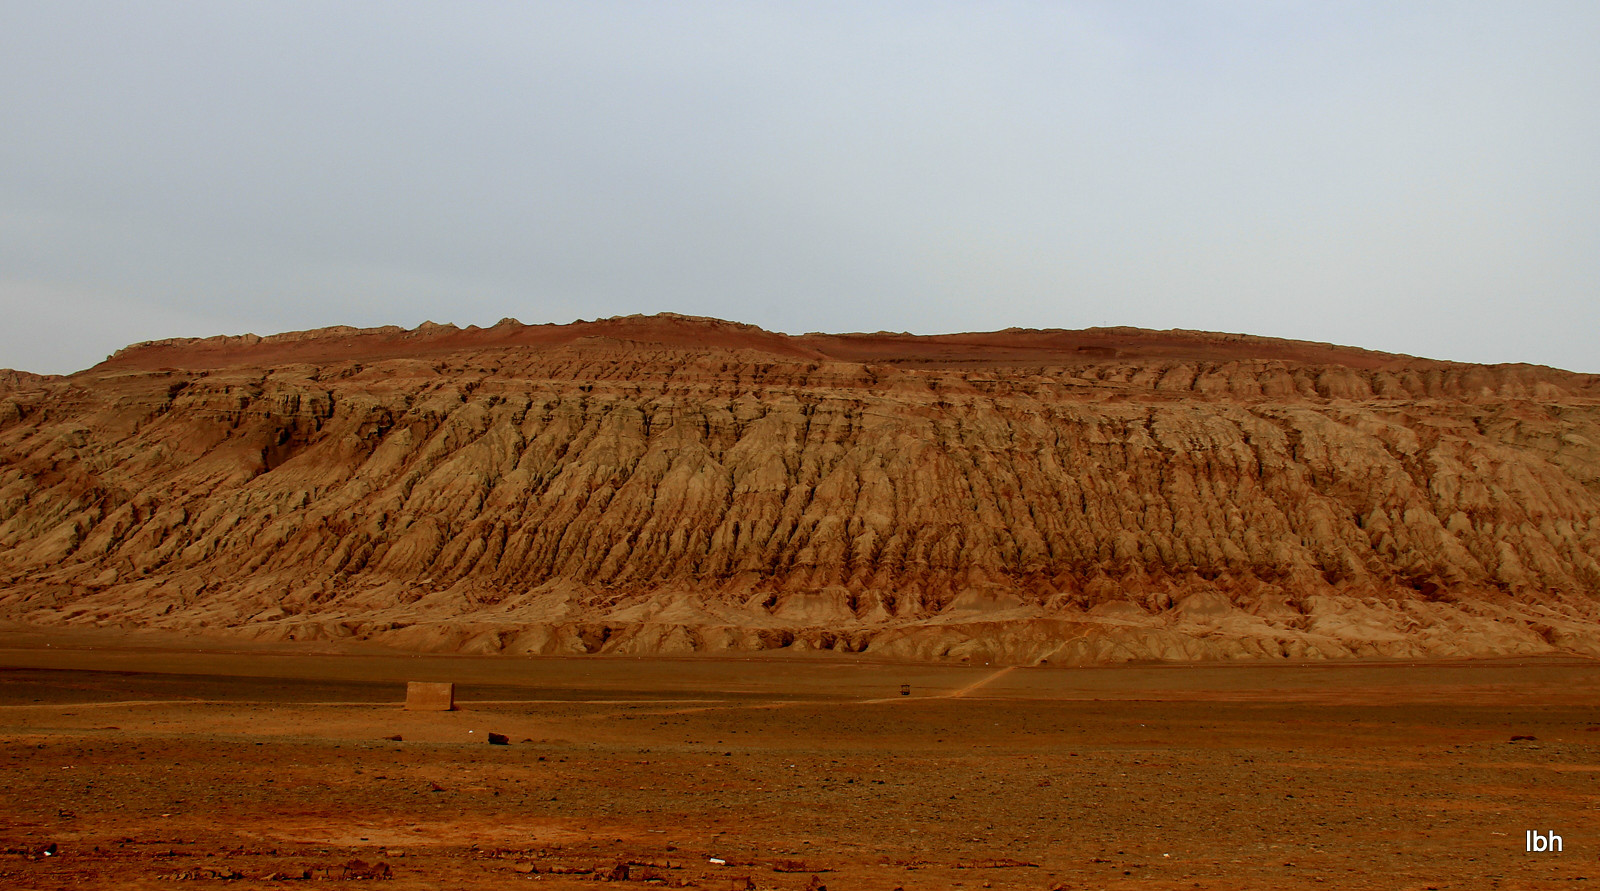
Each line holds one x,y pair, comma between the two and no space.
153,763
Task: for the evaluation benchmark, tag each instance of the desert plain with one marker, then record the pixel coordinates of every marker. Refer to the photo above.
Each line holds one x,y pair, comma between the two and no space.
1098,609
153,761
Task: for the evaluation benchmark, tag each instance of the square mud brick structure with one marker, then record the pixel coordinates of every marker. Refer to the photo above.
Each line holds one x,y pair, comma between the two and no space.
424,697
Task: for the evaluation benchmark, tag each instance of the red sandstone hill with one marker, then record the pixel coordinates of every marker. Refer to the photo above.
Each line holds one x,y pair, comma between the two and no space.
674,484
989,349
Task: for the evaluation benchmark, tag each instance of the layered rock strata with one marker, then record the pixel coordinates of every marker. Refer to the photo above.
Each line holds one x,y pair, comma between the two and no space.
675,485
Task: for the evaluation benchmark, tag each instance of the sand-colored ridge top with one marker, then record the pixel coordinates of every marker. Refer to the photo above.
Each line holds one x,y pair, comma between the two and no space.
12,379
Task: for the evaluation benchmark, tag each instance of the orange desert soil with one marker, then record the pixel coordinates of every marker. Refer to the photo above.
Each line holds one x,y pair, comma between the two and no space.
156,762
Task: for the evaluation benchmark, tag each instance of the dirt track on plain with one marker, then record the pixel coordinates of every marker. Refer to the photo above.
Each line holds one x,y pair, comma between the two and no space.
144,765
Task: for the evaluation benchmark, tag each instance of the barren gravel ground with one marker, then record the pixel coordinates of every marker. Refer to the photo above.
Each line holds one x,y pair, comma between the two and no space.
146,764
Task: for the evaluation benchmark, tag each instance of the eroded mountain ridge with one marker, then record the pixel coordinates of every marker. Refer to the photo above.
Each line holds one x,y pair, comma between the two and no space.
672,484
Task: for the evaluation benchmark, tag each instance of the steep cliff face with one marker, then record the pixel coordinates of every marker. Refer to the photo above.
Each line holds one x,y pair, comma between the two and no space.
669,484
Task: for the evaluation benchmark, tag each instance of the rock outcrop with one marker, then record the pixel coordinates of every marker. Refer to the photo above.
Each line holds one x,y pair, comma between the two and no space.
668,484
11,379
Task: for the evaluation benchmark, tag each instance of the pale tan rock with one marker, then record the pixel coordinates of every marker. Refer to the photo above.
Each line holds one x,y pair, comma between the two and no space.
422,696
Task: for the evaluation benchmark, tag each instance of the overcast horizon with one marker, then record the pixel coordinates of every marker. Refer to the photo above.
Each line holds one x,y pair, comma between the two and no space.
1415,178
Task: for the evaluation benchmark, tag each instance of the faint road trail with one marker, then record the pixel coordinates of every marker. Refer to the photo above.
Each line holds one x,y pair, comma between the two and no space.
958,694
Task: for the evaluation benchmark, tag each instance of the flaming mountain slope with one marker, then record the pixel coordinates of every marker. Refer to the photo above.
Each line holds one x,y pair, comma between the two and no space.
668,484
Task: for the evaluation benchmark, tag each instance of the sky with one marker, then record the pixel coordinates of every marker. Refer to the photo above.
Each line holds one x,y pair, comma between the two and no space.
1414,177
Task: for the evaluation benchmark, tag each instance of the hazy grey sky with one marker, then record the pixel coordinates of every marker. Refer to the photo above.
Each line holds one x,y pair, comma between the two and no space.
1417,177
